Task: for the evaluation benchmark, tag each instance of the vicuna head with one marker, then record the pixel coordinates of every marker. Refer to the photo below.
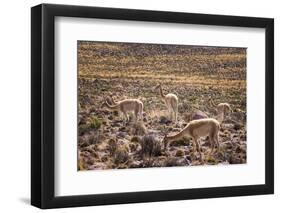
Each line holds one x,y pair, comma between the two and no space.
224,108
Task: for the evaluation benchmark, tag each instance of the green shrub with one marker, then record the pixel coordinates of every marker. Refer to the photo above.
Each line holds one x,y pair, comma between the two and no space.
95,123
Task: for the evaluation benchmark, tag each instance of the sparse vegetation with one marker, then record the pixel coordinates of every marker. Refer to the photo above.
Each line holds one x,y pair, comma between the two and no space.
119,71
121,155
95,123
150,146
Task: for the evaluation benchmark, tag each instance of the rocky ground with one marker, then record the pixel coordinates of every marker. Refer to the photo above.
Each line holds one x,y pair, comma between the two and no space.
122,71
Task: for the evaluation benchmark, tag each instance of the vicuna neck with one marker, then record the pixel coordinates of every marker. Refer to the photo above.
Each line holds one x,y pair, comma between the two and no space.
111,107
161,92
220,117
176,136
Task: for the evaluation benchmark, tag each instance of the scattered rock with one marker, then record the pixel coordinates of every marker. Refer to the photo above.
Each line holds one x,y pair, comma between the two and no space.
164,120
121,134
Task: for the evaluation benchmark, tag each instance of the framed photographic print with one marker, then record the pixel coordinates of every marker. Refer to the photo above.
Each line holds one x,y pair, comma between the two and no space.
139,106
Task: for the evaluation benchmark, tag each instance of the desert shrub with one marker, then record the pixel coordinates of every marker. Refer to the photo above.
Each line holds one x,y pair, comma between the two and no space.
112,146
115,113
82,164
104,158
180,153
133,147
83,129
159,161
121,155
122,166
236,159
139,128
185,106
94,139
150,146
135,139
175,161
95,123
211,160
83,144
87,149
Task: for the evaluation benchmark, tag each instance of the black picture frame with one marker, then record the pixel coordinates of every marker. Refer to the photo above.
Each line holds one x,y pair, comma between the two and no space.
43,102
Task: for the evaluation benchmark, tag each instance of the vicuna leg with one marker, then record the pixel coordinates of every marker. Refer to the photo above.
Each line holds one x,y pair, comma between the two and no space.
141,111
175,111
172,114
216,140
176,116
169,112
212,144
198,148
136,114
125,116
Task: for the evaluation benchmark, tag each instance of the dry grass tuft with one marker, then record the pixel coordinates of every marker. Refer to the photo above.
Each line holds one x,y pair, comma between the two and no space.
150,146
121,155
95,123
112,146
180,153
139,129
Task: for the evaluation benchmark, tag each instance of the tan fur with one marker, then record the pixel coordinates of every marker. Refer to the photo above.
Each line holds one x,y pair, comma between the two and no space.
126,106
171,101
197,129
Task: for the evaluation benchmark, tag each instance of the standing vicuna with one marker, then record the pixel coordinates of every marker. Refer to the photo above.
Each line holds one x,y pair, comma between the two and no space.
126,106
171,101
222,109
197,129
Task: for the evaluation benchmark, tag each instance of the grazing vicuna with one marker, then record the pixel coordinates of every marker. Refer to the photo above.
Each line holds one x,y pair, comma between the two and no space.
197,129
171,101
126,106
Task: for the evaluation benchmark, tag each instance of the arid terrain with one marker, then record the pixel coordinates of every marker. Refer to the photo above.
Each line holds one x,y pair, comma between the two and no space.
196,74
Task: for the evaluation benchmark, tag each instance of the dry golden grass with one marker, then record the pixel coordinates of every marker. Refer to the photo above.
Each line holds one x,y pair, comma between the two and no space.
122,70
